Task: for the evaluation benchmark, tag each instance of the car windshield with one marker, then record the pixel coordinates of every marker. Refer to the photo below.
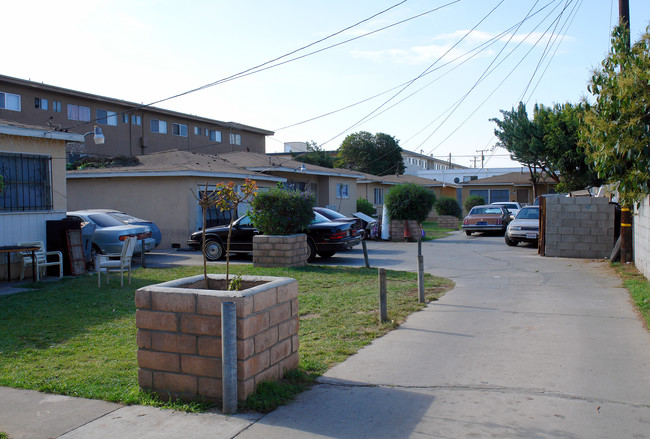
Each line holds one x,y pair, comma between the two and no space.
329,213
486,211
509,206
105,220
528,213
318,218
125,218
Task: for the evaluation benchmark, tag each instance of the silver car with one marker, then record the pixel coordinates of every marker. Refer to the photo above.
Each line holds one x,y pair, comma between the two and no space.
525,226
110,233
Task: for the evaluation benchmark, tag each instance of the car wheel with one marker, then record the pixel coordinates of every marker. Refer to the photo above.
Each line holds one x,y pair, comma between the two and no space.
311,250
468,233
326,255
214,250
510,242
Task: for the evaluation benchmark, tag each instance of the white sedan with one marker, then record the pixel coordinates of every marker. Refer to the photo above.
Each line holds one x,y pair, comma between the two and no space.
525,226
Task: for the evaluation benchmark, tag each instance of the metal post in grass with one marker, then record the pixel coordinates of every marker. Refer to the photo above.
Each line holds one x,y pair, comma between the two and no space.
383,306
365,252
421,278
229,356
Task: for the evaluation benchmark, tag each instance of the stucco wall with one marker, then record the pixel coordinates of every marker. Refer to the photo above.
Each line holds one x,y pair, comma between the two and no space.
642,237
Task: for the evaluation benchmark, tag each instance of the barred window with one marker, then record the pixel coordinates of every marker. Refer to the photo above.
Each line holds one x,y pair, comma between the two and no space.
27,182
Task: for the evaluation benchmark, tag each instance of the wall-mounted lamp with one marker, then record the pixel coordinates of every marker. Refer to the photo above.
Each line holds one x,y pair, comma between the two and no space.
98,136
301,168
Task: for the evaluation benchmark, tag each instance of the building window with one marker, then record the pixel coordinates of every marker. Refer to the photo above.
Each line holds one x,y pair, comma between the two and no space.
125,118
197,131
40,103
178,129
342,190
215,135
105,117
136,120
379,195
10,101
158,126
56,106
27,182
78,112
235,139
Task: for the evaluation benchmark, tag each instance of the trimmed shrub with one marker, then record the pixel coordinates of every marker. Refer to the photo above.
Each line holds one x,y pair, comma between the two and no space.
472,201
409,201
282,212
365,206
448,206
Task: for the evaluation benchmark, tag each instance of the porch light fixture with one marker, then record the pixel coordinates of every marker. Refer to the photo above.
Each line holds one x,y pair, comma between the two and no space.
98,136
301,168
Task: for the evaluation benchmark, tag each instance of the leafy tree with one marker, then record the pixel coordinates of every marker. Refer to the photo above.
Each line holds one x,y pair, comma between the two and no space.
365,206
314,156
282,212
409,201
448,206
473,200
616,132
378,154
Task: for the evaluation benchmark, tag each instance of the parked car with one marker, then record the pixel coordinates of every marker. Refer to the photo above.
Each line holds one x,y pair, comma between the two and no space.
512,206
333,215
110,233
525,226
324,238
486,218
130,219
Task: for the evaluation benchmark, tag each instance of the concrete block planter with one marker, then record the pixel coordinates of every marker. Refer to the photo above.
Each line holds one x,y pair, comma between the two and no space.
179,334
280,250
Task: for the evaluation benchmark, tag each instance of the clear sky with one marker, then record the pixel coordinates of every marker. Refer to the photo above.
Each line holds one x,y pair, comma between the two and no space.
433,81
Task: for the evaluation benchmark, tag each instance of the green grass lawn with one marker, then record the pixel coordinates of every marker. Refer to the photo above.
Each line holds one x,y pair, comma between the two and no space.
70,337
432,231
639,288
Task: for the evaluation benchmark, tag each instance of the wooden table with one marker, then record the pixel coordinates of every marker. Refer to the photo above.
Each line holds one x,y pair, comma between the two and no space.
9,249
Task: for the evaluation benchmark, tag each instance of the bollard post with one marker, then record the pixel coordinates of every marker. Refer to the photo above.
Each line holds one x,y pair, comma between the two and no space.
419,246
365,252
421,279
229,356
383,307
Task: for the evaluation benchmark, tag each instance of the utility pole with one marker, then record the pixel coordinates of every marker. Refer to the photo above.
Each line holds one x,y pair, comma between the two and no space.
482,156
626,211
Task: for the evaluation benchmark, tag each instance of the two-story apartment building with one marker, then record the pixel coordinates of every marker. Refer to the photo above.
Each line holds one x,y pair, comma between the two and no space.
129,128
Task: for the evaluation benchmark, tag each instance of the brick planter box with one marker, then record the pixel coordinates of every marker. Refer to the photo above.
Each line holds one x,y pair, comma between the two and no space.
445,221
279,250
179,335
397,230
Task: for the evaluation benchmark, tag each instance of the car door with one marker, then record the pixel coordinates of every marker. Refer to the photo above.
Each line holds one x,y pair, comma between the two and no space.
241,239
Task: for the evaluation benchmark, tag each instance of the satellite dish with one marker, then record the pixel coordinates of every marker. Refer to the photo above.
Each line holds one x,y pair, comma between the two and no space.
456,180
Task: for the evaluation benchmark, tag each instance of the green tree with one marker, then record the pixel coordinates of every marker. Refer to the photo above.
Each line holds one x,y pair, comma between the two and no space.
616,132
378,154
409,201
473,200
365,206
314,156
282,212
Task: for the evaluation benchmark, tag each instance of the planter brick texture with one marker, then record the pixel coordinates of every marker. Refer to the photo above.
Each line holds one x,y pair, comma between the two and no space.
397,230
179,335
579,227
279,251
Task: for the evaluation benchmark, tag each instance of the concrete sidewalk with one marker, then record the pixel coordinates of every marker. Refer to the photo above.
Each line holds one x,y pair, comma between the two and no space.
523,346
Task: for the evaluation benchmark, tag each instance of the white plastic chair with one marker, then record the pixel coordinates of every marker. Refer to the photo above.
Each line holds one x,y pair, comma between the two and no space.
104,262
41,259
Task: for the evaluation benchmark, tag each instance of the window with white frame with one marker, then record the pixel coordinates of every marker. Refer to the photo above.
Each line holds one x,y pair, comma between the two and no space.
40,103
158,126
136,120
379,195
179,129
235,139
9,101
105,117
214,135
27,182
78,112
342,190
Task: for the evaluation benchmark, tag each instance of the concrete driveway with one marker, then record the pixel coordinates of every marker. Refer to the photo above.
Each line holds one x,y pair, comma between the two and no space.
524,346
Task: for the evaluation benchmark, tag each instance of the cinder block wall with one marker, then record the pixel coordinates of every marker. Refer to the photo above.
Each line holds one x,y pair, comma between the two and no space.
179,336
280,251
642,237
445,221
579,227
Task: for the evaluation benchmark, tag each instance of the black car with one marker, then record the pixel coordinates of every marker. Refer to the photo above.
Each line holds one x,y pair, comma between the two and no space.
338,217
324,238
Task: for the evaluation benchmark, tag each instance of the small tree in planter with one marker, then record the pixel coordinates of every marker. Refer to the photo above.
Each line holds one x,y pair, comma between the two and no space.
409,201
448,206
223,197
281,212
